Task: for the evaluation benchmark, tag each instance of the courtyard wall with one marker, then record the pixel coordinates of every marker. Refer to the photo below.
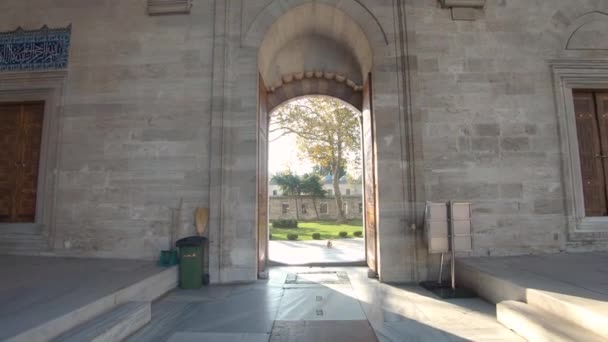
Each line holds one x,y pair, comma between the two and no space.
157,109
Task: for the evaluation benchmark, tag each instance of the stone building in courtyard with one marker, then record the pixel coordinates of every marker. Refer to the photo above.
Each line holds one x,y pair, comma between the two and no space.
114,112
281,206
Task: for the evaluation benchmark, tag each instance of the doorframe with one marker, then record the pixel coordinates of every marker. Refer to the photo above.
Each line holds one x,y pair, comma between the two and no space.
568,75
46,86
262,175
263,230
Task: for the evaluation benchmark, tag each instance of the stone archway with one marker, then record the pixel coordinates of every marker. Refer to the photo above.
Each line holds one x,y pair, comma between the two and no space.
318,83
316,49
235,149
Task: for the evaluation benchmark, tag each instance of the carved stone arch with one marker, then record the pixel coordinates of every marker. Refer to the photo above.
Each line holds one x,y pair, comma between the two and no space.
296,36
268,15
323,47
565,16
315,86
576,35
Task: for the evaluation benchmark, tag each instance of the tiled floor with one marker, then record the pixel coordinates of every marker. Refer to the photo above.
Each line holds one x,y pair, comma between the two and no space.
319,308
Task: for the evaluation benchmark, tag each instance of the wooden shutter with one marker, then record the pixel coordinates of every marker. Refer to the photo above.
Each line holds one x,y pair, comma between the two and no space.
589,143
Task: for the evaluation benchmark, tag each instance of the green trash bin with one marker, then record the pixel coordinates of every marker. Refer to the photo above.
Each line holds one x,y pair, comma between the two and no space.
190,262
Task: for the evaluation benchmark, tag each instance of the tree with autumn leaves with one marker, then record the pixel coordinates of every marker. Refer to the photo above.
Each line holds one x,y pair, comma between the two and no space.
328,134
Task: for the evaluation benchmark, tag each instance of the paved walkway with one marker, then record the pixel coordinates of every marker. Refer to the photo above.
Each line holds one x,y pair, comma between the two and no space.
346,251
302,304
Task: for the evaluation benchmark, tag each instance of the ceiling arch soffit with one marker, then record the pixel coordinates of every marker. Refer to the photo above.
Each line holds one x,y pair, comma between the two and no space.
271,12
314,85
284,22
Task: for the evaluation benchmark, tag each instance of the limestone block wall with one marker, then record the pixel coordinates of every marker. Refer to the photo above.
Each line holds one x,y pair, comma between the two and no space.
483,93
162,108
135,125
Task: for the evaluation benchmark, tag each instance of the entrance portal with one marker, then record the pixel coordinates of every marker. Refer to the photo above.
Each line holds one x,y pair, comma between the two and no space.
303,53
315,191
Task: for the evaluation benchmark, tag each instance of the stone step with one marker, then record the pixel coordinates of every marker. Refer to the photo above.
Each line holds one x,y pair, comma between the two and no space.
23,239
25,242
114,325
24,236
498,282
587,311
145,290
23,247
537,325
20,228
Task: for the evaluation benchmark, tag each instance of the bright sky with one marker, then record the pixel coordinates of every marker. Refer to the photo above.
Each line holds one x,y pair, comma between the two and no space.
283,155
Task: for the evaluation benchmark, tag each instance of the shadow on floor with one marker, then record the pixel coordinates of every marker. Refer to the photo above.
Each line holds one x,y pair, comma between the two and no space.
361,309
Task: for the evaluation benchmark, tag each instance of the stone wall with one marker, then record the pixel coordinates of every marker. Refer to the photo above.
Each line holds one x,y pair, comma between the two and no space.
135,124
160,108
484,95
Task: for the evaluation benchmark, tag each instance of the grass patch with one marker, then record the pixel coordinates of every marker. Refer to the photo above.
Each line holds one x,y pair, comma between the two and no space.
326,230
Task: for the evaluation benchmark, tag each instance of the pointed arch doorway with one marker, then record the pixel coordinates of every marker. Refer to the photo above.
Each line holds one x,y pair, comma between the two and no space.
316,49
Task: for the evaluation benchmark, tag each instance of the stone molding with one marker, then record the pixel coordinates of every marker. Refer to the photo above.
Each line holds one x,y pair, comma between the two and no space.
578,24
463,9
47,86
570,74
463,3
162,7
298,76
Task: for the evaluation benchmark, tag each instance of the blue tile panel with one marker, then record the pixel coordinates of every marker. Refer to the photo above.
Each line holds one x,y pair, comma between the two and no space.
41,49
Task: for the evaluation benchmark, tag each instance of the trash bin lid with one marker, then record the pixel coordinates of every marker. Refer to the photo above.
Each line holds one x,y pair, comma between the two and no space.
190,241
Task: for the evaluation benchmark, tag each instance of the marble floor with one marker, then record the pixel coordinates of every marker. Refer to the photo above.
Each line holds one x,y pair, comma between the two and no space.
580,275
300,304
34,290
343,251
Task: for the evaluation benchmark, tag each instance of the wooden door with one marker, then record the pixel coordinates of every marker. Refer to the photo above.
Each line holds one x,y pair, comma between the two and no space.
262,176
601,105
9,136
369,178
590,152
21,131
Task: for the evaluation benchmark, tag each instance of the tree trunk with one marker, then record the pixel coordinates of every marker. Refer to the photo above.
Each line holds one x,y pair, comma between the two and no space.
297,214
314,204
336,183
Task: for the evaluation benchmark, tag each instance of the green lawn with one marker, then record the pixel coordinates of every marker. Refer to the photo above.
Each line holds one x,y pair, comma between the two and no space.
327,229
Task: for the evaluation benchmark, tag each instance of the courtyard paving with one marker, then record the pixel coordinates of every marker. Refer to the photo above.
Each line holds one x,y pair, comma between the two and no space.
342,251
301,304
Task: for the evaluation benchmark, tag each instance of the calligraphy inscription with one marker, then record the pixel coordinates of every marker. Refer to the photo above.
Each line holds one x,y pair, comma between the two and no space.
34,50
